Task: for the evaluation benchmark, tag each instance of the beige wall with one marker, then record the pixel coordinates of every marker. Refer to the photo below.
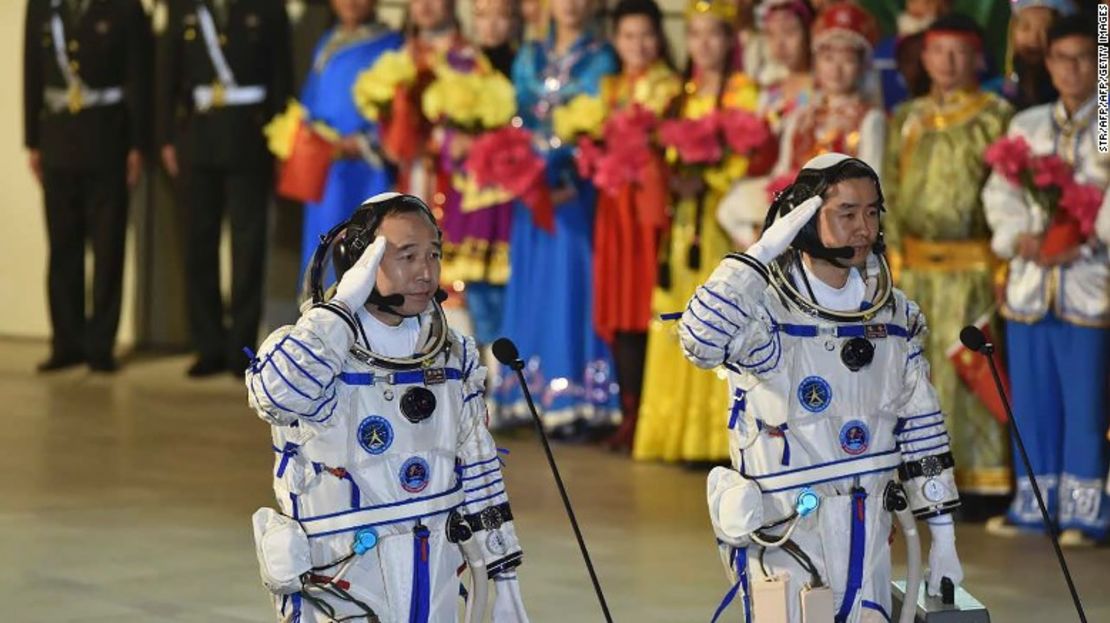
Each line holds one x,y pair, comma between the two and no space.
23,310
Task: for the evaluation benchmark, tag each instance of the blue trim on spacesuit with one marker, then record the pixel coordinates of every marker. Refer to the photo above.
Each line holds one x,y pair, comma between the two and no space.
296,607
739,405
855,560
277,404
703,342
478,464
279,349
738,556
287,452
485,486
419,609
706,322
485,498
307,350
715,312
485,473
870,605
408,377
473,396
850,330
425,498
723,300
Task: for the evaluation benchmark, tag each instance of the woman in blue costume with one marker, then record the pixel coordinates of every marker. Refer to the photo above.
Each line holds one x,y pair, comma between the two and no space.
353,45
549,297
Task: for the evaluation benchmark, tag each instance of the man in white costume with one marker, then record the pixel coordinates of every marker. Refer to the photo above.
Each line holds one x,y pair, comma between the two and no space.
832,402
385,473
1057,306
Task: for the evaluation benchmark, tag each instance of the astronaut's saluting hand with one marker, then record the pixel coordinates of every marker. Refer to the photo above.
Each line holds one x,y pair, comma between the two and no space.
386,477
832,404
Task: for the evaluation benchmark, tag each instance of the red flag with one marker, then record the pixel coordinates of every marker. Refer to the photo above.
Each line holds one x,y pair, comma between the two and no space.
974,370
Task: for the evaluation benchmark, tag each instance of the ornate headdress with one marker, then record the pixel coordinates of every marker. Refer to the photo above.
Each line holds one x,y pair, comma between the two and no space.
847,20
724,10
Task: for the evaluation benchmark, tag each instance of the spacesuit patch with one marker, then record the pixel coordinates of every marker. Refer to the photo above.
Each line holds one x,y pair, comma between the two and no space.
375,435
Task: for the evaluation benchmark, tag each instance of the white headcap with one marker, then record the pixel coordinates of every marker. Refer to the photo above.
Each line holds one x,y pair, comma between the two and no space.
825,161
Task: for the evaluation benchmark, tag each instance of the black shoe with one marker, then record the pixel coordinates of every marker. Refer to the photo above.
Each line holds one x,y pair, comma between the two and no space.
104,365
204,367
60,362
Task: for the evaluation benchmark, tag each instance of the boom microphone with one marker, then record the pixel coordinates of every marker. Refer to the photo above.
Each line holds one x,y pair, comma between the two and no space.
973,338
506,352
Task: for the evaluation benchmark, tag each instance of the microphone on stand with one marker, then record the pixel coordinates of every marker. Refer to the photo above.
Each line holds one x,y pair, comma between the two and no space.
505,352
974,339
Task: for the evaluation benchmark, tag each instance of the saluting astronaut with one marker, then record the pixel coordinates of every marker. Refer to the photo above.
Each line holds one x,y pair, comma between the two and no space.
385,474
831,402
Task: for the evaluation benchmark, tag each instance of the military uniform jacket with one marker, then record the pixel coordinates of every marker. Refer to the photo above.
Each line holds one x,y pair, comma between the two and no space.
255,41
107,48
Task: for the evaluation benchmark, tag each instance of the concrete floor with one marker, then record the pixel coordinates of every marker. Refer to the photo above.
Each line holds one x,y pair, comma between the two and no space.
128,498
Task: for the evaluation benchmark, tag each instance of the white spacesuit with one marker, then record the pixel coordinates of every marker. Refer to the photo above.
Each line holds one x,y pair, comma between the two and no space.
385,473
831,402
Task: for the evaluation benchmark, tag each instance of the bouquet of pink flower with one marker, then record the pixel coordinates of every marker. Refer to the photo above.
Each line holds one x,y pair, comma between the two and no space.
505,158
1050,181
624,152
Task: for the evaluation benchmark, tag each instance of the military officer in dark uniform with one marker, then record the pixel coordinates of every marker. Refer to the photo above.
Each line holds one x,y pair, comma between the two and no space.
224,71
86,81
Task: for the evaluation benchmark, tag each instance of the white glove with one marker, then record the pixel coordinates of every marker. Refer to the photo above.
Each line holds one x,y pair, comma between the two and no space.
943,562
358,282
776,239
508,606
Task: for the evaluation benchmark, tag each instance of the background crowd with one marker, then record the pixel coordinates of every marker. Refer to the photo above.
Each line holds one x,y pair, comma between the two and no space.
587,181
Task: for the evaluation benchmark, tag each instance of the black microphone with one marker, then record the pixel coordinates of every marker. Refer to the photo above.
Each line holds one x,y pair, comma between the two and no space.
973,338
506,352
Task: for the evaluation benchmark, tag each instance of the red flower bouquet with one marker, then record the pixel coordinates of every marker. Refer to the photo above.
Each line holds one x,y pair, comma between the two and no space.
505,158
1050,182
744,131
694,141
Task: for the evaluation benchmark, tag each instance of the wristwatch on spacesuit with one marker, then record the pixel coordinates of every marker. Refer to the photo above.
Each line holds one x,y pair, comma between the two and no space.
930,484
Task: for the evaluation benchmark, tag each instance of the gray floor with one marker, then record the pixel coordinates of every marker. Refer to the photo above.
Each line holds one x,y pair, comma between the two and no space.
128,498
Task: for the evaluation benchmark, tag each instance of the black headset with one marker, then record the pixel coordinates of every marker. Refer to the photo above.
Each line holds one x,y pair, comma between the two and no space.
353,236
813,183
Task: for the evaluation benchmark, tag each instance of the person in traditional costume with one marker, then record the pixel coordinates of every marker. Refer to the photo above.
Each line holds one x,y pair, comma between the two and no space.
933,173
898,56
840,117
476,227
549,298
497,28
682,407
631,212
1027,81
785,80
357,170
1056,301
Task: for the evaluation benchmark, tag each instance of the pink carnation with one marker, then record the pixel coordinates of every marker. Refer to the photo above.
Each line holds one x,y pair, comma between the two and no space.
744,131
1050,170
696,140
1082,202
1008,157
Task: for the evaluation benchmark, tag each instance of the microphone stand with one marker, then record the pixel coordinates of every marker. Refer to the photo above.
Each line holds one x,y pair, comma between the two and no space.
987,349
518,366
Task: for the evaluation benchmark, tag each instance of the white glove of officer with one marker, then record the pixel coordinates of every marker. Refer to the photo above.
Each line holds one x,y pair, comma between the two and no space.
508,606
776,239
358,282
943,562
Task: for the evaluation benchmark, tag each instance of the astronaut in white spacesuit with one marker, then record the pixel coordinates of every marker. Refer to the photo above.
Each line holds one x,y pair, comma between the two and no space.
831,404
385,473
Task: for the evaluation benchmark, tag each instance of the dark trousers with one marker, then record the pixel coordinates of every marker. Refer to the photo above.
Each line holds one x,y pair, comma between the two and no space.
245,195
85,207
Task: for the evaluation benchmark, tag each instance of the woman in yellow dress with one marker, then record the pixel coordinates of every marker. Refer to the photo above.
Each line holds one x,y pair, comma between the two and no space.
684,410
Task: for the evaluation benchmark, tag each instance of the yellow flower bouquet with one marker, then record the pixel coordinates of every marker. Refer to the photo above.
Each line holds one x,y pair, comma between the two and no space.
375,88
583,115
306,150
469,101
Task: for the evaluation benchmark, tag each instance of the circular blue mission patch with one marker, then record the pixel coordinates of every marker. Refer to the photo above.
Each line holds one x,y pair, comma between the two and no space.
414,475
855,437
814,394
375,435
